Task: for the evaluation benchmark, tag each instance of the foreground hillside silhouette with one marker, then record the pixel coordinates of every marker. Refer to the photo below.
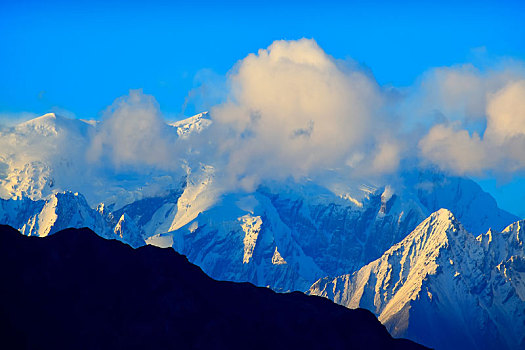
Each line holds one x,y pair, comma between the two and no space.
75,290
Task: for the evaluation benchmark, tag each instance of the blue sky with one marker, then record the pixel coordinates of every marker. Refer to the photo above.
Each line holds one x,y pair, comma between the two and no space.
81,56
77,58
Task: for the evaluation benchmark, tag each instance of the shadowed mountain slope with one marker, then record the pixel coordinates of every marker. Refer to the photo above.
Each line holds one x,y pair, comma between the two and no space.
75,290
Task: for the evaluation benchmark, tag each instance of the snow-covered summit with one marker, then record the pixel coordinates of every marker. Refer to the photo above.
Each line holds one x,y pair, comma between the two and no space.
39,154
195,124
52,153
443,287
51,124
45,124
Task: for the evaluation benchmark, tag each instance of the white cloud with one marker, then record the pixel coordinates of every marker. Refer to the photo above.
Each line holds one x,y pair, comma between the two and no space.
133,133
457,93
498,150
294,111
454,149
291,110
506,112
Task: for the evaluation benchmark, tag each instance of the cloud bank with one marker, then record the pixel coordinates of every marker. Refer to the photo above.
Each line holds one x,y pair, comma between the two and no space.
293,111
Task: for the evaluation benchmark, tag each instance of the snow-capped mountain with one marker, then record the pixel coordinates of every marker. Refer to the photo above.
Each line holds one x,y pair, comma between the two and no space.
288,236
284,235
52,154
444,287
30,157
195,124
66,210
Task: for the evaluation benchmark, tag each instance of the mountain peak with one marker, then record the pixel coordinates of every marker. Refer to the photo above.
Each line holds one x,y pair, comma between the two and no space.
438,276
48,118
46,122
505,244
435,231
51,124
50,115
517,228
197,124
441,218
443,214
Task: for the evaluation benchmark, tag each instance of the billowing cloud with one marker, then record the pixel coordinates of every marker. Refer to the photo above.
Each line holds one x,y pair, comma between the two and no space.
459,92
293,110
455,149
498,150
133,133
506,113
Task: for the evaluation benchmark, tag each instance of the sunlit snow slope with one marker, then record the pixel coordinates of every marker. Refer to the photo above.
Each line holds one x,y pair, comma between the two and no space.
444,287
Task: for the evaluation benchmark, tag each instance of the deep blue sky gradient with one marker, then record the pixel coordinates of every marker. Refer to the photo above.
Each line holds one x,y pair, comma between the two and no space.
80,56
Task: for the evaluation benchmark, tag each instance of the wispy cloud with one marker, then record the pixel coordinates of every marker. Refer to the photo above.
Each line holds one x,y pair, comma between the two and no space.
133,133
11,119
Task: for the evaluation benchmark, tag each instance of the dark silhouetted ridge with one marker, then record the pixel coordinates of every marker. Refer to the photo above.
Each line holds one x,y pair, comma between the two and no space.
75,290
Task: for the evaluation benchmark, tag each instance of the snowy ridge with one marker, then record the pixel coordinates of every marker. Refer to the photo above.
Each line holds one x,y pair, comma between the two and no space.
127,231
252,237
66,210
195,124
251,226
443,287
277,259
198,195
236,241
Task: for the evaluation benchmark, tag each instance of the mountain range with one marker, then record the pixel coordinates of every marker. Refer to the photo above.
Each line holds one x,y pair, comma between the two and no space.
290,235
